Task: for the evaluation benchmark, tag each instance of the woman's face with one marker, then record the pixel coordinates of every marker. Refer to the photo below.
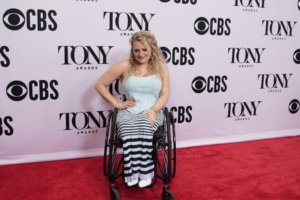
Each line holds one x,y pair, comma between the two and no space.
141,52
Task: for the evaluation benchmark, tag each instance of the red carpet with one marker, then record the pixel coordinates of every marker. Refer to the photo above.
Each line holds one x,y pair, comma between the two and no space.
265,169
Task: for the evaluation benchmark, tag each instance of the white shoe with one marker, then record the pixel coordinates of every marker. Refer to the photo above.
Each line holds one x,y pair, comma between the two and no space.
145,183
132,183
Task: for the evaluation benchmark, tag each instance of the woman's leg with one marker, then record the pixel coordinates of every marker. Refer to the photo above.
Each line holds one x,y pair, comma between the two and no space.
137,136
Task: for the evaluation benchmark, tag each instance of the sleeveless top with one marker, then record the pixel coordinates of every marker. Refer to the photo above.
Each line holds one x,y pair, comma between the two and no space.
144,90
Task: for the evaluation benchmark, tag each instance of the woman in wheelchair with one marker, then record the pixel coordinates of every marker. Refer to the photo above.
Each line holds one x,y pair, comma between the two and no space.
145,79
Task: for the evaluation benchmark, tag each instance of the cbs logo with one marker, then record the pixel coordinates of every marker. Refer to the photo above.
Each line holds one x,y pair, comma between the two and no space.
212,84
40,20
36,90
214,26
179,55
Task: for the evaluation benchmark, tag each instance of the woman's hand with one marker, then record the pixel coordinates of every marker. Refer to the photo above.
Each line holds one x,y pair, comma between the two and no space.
125,104
151,116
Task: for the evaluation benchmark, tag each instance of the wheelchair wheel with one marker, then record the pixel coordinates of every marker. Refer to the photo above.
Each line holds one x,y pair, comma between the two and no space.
114,193
115,157
106,145
173,140
163,151
167,194
169,164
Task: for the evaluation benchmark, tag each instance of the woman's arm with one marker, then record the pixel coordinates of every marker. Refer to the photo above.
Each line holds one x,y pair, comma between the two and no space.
163,96
164,92
113,73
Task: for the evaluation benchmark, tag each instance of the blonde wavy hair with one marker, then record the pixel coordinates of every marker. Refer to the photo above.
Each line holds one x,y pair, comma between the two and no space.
156,58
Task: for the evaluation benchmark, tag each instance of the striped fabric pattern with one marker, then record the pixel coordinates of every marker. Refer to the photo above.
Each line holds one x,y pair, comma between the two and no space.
137,136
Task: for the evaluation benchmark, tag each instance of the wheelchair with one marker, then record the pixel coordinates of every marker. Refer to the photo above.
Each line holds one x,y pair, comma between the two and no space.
164,155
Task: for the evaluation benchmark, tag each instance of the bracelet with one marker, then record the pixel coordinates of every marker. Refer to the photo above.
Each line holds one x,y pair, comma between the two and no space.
154,109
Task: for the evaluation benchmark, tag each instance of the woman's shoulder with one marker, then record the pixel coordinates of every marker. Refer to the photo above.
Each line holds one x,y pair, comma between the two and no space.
122,65
121,68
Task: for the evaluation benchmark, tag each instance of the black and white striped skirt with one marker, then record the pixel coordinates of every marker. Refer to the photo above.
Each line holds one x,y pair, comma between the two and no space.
137,136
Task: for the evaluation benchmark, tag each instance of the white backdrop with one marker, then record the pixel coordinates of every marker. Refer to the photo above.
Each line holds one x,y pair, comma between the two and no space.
234,66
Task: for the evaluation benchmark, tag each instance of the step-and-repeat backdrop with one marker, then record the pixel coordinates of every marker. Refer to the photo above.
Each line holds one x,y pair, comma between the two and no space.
234,67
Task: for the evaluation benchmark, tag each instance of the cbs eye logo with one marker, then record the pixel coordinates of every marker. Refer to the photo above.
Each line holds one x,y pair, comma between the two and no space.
16,90
14,19
199,84
166,53
40,20
201,25
294,106
296,56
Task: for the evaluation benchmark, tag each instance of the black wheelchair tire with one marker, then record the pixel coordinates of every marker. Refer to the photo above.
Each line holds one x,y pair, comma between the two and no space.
114,194
112,147
167,195
173,138
106,146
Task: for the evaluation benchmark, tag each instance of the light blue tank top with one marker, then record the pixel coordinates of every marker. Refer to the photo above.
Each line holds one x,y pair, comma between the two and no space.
144,90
